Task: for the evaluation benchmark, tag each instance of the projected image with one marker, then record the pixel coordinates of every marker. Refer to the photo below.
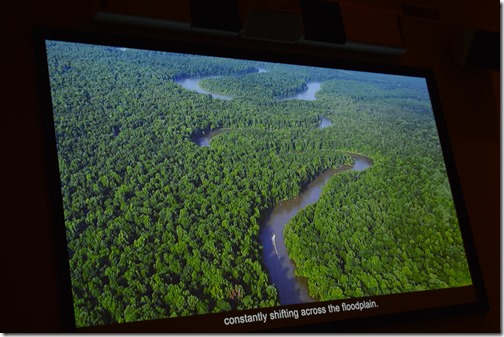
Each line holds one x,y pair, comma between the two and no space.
195,185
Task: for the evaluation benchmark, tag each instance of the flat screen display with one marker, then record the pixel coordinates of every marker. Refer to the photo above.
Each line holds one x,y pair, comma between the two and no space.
224,193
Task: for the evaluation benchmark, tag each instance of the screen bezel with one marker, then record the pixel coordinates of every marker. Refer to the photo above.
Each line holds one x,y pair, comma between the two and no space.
195,46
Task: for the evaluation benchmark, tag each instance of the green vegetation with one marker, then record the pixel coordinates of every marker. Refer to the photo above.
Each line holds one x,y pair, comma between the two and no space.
393,227
257,86
158,226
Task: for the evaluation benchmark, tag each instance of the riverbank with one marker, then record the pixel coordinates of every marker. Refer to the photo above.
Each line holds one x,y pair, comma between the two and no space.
281,268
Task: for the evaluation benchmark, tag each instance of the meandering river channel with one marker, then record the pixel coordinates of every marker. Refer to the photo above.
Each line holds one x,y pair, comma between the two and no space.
193,84
291,289
308,94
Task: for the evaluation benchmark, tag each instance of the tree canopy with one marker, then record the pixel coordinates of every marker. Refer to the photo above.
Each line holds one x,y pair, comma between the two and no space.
158,226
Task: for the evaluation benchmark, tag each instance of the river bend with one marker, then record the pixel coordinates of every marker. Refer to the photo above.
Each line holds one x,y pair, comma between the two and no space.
281,269
291,289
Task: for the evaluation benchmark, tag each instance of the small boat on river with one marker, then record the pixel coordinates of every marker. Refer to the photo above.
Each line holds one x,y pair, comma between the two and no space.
273,240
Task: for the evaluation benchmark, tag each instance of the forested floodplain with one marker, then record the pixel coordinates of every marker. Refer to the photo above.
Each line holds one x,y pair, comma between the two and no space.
160,226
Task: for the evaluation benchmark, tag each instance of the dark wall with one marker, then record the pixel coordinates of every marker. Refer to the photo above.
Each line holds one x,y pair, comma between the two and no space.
471,102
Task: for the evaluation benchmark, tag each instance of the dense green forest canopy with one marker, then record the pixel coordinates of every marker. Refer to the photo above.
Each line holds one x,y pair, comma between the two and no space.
158,226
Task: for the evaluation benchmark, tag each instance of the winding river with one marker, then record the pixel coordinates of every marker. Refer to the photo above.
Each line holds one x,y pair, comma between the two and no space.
203,138
193,84
307,95
291,289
